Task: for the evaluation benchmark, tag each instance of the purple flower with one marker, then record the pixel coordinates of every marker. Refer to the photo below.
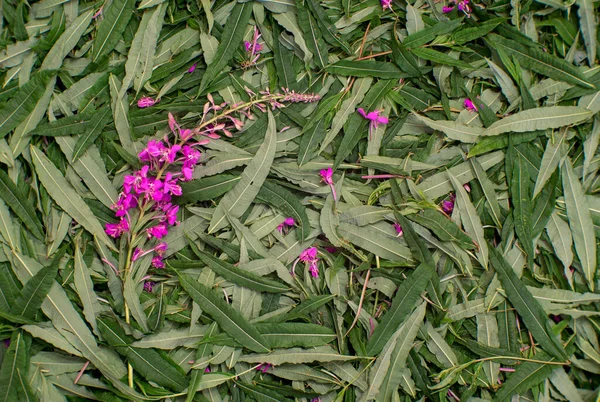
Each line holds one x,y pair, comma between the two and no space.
192,68
124,204
159,231
313,267
6,343
385,4
137,253
462,6
469,105
134,182
374,117
148,286
448,206
117,229
152,150
286,223
161,248
264,367
447,9
146,102
171,213
152,189
331,249
399,230
157,262
309,254
169,154
170,185
327,175
207,370
191,156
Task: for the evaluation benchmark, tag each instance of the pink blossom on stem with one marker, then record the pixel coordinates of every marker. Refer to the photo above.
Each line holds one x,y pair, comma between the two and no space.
264,367
467,187
375,118
171,213
309,256
148,286
157,262
124,204
327,177
161,248
159,231
447,9
448,206
170,185
152,151
286,223
469,105
386,4
399,230
133,182
192,68
145,102
117,229
207,370
152,188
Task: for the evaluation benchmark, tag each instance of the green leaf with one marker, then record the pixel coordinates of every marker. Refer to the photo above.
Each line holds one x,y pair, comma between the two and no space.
588,23
525,377
18,202
437,57
297,356
377,243
233,34
85,290
23,102
110,30
229,319
239,276
67,41
527,306
541,62
66,197
552,154
66,126
306,307
262,394
454,130
148,362
313,36
365,68
561,239
428,34
539,119
14,366
286,202
34,292
99,121
207,188
580,221
402,305
295,334
442,227
238,199
521,201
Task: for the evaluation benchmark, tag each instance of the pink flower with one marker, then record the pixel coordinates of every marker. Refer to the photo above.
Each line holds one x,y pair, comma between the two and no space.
375,118
314,268
447,9
467,187
469,105
170,185
152,151
264,367
171,213
152,188
157,262
146,102
187,172
399,230
308,255
287,222
191,156
192,68
327,175
117,229
124,204
134,182
247,46
385,4
148,286
137,253
159,231
207,370
161,248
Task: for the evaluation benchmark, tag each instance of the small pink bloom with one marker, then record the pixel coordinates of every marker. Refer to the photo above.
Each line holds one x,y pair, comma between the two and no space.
308,255
157,262
161,248
148,286
289,221
327,175
207,370
117,229
152,188
264,367
448,206
399,230
314,268
447,9
137,253
386,4
191,156
247,46
171,213
467,187
124,204
159,231
469,105
146,102
133,182
187,172
192,68
153,149
170,185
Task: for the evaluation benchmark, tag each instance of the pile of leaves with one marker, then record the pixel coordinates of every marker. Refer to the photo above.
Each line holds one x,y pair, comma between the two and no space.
299,201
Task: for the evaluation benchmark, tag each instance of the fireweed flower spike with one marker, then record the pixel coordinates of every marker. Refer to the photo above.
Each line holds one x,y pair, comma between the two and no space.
374,117
309,256
327,178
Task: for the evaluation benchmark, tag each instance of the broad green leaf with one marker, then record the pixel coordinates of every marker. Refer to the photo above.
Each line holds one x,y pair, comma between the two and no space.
229,319
85,290
148,362
541,62
295,334
521,202
539,119
66,126
404,343
172,338
365,68
580,222
442,227
239,276
67,41
65,196
110,30
207,188
286,202
233,33
238,199
34,292
471,221
561,239
14,365
297,356
588,23
529,309
552,154
377,243
454,130
18,202
23,102
313,36
100,120
402,305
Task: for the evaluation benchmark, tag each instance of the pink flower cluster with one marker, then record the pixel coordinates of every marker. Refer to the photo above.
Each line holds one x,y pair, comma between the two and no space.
151,188
288,222
309,256
253,49
461,5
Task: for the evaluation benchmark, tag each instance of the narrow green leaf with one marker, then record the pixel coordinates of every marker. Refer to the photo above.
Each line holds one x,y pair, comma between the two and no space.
298,356
402,305
34,292
580,221
527,306
14,364
67,41
588,23
20,205
521,202
66,197
438,57
525,377
377,243
365,68
99,121
66,126
454,130
233,33
313,36
229,319
295,334
85,290
207,188
442,227
110,30
286,202
552,155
